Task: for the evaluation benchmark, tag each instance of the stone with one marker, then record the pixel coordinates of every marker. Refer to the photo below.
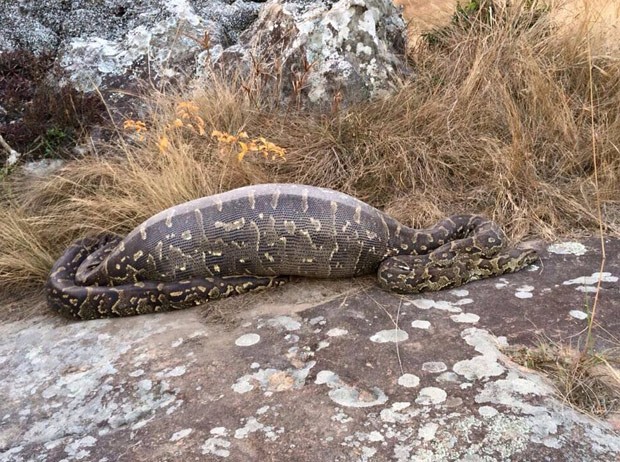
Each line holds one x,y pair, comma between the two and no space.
98,43
332,52
328,52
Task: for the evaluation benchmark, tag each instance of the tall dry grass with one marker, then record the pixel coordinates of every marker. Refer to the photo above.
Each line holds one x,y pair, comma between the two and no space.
496,120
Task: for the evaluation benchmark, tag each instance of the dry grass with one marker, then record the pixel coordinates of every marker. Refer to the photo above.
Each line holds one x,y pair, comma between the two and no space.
495,121
588,381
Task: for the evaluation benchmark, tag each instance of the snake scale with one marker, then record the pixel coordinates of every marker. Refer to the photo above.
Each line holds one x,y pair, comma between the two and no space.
256,237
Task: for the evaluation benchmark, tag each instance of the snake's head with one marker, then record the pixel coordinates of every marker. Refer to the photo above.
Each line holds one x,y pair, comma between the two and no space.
530,256
523,257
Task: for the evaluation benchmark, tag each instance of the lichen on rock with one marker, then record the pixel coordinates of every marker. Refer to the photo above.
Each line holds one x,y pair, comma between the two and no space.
345,51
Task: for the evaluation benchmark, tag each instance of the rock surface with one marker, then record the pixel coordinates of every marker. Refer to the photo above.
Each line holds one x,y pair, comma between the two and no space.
317,370
349,50
352,47
99,43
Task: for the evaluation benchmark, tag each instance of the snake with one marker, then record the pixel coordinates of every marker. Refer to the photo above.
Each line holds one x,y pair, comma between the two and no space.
257,237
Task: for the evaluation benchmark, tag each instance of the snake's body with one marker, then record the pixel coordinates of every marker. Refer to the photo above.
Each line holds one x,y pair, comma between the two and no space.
254,237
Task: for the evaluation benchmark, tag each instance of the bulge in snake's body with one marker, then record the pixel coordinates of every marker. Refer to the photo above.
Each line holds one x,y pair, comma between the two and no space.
249,238
262,230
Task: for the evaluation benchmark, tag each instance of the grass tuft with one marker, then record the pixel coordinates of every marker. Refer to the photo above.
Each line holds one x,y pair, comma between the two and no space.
587,381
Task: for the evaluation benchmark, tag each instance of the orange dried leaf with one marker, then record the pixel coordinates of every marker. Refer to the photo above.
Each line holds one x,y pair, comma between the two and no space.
163,143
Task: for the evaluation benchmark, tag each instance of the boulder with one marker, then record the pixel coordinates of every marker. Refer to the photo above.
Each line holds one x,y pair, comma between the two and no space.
111,42
325,50
350,50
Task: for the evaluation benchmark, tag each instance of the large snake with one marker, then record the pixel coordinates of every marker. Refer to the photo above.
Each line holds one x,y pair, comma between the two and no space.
255,237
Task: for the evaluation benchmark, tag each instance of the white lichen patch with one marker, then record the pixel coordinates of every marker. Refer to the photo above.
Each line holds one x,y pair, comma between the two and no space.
76,449
247,340
181,434
341,417
444,305
252,425
584,281
367,454
451,307
177,371
448,377
421,324
283,322
349,396
568,248
578,314
484,366
487,411
320,320
460,292
423,303
216,446
434,367
395,414
479,367
469,318
427,431
400,405
409,380
291,338
219,431
274,380
524,292
336,332
524,295
242,385
145,385
431,395
482,341
390,335
326,377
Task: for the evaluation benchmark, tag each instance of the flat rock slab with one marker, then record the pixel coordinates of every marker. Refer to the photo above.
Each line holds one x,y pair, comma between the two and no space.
317,370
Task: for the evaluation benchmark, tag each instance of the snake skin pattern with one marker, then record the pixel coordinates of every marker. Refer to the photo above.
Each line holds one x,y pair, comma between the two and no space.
255,237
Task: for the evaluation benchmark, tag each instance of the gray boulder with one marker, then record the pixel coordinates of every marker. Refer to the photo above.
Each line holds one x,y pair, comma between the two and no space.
349,50
323,50
98,43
